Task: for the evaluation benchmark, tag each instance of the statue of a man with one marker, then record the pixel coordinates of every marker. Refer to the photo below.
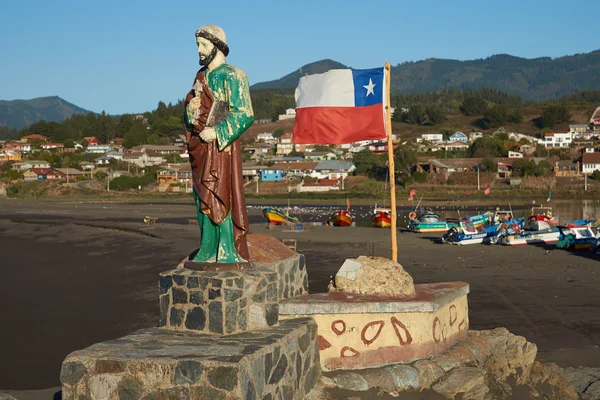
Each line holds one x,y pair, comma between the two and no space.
218,110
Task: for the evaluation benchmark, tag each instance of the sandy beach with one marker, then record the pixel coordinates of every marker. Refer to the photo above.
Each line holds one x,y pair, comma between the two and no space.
76,274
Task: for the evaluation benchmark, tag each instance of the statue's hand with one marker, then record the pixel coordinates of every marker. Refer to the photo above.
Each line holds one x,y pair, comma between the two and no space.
192,109
208,134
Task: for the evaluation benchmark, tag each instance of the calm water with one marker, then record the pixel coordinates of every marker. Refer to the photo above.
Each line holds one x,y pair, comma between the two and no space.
567,210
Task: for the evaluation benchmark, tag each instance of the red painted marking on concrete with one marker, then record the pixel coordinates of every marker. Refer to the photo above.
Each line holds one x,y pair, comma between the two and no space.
348,352
338,327
323,343
367,331
399,325
377,357
453,315
436,322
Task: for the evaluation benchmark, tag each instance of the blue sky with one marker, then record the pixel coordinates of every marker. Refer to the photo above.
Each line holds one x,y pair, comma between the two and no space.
125,56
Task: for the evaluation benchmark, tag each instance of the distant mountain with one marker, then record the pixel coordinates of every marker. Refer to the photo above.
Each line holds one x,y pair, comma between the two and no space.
22,113
537,79
291,80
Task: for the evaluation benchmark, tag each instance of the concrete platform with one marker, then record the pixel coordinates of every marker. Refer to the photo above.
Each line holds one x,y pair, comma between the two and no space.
358,332
273,363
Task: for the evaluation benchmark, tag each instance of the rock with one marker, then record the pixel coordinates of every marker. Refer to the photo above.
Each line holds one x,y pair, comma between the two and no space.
351,381
405,376
374,276
428,372
460,380
550,384
509,355
380,378
6,396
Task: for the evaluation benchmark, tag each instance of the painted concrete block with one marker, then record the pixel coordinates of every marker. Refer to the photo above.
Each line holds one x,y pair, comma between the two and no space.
358,332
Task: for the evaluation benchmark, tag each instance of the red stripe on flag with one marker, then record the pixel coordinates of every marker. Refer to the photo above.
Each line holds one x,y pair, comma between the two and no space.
338,125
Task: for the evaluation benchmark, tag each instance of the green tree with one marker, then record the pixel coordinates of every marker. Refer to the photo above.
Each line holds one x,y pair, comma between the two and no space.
489,165
522,168
494,117
277,133
416,115
369,164
435,115
515,116
540,151
486,147
554,115
542,168
473,105
69,143
405,159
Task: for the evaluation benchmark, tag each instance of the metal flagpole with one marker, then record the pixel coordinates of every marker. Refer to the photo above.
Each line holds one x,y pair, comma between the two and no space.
391,167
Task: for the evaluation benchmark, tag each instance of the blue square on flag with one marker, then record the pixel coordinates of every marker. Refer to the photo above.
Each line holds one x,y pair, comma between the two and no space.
368,86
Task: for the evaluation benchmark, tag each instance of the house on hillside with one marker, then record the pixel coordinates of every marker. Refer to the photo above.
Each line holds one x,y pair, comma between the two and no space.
499,131
557,139
566,168
454,146
27,164
271,174
142,159
36,174
34,137
458,137
285,145
517,137
116,141
252,172
69,173
443,167
296,168
87,166
158,149
320,156
290,113
431,137
527,149
22,147
52,146
515,154
590,162
9,155
99,149
577,129
266,137
333,169
505,168
91,140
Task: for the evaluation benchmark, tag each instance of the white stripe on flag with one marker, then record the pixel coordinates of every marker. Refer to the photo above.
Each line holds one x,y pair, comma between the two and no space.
334,88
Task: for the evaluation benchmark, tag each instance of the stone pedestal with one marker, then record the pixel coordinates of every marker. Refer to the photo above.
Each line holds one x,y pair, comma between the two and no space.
357,331
218,302
274,363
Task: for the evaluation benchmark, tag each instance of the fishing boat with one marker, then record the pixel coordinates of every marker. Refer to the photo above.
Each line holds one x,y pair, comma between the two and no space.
382,217
466,233
342,218
278,217
429,222
541,214
577,236
523,237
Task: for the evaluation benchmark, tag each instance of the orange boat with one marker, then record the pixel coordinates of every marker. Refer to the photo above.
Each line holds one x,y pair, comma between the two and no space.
342,218
382,218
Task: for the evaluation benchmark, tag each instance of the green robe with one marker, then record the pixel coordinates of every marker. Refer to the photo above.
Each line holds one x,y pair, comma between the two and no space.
217,166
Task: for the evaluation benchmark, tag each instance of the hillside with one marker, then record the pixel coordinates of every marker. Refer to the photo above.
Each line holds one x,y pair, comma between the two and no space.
291,80
537,79
19,114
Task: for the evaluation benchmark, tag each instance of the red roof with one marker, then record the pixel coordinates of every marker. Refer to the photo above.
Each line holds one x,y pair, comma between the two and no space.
328,182
40,171
590,158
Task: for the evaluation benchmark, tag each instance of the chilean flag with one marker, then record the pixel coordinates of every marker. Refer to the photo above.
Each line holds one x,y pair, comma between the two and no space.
341,106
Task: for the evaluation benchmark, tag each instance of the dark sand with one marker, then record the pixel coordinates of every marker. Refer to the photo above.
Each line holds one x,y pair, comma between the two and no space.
75,275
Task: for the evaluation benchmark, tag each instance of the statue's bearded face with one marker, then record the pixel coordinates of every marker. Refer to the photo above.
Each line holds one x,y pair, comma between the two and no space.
206,51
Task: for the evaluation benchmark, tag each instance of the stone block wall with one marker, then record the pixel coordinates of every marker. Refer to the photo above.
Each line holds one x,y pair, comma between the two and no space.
225,302
292,275
275,363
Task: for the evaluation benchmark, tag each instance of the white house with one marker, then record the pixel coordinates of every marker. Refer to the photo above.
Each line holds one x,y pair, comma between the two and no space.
431,137
590,162
452,146
266,137
142,159
290,113
558,139
333,169
25,165
517,137
99,149
515,154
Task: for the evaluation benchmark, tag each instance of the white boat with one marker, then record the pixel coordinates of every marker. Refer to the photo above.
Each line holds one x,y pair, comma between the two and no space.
530,237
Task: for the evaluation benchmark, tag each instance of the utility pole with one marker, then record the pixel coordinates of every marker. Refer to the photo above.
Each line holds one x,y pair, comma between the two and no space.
108,182
257,180
585,175
478,177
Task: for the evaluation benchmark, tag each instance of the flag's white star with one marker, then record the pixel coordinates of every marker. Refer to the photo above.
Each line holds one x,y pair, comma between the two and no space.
370,88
